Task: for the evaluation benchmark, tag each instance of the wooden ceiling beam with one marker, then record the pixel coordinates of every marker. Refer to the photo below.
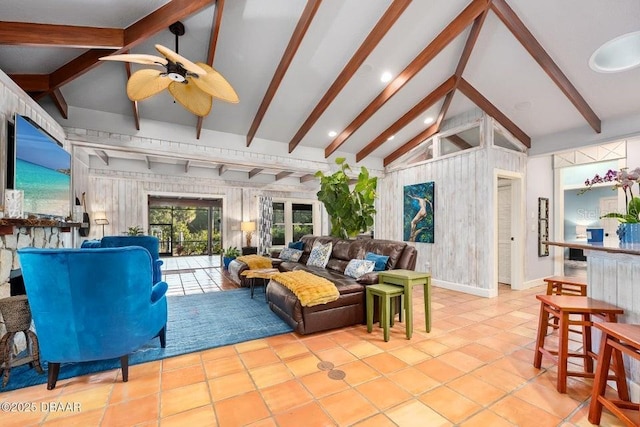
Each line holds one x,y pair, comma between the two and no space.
485,105
254,172
448,34
426,103
134,104
294,43
282,175
31,82
31,34
306,178
458,141
462,63
213,42
60,102
411,144
133,35
103,156
381,28
160,20
537,52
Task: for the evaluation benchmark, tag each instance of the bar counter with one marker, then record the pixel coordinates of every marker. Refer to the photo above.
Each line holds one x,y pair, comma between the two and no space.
613,275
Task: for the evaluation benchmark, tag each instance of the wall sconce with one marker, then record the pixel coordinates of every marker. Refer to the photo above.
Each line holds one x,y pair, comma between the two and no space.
101,219
248,227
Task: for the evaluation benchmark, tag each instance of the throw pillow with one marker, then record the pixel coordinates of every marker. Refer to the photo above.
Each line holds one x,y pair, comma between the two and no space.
297,245
358,267
319,256
289,254
380,260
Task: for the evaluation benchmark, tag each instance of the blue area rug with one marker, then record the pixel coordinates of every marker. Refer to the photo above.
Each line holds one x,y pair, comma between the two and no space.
196,322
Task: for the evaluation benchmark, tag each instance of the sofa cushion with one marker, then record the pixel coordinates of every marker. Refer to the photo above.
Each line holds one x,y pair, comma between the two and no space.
358,267
320,255
380,261
297,245
289,254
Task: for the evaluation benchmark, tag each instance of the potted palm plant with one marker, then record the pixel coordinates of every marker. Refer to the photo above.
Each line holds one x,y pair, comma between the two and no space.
229,254
350,207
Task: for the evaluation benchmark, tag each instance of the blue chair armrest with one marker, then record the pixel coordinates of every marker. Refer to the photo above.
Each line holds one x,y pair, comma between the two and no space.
158,290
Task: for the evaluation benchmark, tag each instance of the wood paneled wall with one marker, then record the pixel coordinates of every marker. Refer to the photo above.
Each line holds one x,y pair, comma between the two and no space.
462,256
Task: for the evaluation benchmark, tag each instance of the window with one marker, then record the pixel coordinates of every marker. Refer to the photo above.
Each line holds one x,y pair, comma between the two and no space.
292,220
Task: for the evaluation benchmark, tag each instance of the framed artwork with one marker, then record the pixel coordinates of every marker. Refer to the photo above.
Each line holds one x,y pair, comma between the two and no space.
543,226
418,217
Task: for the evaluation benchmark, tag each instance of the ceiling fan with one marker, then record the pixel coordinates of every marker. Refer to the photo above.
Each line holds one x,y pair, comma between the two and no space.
194,85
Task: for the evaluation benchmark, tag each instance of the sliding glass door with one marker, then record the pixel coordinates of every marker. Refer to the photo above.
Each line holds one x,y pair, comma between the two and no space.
186,227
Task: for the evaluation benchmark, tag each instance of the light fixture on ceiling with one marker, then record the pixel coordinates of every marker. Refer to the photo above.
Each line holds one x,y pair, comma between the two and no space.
620,54
386,77
194,85
332,133
428,120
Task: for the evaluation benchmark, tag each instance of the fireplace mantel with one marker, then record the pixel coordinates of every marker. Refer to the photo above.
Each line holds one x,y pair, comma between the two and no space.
7,224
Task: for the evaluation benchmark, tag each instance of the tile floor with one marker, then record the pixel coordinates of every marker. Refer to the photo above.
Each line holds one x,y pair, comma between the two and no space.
473,369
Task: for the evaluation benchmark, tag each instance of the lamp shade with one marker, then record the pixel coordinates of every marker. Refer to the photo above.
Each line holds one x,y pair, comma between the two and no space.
248,226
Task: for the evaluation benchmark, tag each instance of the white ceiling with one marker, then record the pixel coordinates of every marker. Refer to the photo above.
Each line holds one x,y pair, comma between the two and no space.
254,35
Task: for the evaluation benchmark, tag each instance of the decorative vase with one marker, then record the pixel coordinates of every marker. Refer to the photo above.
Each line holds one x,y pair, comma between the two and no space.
629,232
13,203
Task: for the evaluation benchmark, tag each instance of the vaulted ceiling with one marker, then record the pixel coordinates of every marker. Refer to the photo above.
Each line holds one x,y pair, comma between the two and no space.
304,68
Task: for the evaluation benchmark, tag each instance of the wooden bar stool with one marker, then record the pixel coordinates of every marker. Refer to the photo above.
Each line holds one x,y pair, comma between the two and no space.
562,306
563,285
617,338
386,293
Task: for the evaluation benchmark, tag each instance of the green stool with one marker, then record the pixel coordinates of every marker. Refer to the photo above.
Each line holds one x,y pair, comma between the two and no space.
408,279
386,293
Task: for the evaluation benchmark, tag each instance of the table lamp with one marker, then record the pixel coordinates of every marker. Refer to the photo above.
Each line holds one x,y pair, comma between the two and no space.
248,227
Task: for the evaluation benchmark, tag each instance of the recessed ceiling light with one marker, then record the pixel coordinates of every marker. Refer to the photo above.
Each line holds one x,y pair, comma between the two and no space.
386,77
391,137
332,133
428,120
619,54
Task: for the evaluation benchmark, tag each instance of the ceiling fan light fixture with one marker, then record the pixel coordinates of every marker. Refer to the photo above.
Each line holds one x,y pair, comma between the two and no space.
619,54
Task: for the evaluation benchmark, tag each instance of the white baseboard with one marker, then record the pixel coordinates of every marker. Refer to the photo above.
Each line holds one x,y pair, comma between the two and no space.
529,284
487,293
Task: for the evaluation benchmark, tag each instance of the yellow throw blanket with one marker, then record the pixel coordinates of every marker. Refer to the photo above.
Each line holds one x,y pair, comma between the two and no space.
310,289
255,261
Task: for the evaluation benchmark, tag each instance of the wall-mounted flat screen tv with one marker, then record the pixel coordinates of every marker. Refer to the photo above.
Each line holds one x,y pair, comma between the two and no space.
42,168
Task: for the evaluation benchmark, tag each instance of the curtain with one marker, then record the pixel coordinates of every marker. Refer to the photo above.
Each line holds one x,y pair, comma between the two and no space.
265,223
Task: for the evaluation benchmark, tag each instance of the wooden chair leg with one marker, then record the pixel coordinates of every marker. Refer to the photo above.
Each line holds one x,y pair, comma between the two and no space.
586,343
124,365
600,381
52,377
542,332
563,351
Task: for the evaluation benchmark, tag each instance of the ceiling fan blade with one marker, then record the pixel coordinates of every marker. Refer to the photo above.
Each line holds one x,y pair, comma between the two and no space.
191,98
137,58
178,59
145,83
214,84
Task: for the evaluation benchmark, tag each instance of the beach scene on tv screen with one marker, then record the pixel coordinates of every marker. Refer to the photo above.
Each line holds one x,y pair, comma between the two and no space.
43,171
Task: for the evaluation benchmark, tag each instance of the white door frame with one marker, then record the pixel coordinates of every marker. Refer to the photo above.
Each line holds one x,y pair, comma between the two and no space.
518,220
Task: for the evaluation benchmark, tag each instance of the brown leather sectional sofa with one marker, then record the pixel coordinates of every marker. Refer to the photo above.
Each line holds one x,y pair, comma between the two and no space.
349,308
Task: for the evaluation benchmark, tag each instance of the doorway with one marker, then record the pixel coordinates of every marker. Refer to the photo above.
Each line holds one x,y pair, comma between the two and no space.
186,226
509,230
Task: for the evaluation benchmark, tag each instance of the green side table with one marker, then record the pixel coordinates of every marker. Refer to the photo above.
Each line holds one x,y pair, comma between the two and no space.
408,279
386,293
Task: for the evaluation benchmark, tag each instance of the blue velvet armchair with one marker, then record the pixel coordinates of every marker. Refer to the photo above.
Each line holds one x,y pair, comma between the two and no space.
93,304
150,243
